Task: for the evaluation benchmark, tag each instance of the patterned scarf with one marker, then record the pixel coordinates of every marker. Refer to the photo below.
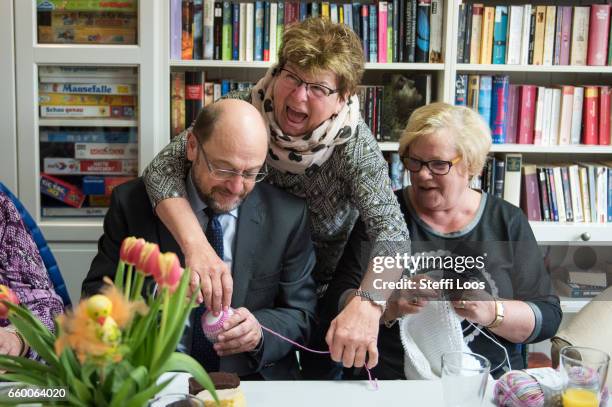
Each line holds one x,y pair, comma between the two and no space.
302,154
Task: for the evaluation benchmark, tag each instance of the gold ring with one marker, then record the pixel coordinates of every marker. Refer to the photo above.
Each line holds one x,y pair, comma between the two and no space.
461,304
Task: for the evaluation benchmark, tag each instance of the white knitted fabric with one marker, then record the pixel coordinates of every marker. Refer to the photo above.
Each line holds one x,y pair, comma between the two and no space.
425,336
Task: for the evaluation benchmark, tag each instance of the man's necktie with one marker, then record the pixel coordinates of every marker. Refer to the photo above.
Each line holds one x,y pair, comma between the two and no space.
201,348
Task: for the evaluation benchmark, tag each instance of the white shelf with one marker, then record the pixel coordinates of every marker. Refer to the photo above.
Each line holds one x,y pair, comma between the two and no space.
571,232
533,68
573,305
206,63
404,66
530,148
88,122
525,148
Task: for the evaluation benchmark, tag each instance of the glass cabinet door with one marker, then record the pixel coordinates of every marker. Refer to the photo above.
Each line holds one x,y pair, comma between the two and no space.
87,22
88,135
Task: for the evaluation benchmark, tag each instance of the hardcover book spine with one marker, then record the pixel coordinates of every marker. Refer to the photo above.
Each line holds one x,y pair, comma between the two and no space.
422,31
198,34
566,34
499,109
599,26
580,34
591,115
226,35
499,34
526,113
435,37
604,115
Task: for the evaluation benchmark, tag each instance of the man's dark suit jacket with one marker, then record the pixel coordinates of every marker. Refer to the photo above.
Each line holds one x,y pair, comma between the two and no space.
272,262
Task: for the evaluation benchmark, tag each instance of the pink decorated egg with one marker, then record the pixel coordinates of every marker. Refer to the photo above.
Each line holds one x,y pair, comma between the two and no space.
213,325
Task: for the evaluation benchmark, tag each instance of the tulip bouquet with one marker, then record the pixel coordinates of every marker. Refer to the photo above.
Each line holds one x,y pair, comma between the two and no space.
113,347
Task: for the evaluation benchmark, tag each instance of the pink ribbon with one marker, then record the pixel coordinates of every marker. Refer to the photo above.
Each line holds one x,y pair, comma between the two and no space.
373,382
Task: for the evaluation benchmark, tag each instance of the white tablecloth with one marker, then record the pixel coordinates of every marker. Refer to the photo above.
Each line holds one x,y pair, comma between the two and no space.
336,393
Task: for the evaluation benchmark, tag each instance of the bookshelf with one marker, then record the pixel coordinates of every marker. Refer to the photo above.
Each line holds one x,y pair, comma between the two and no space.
476,68
75,237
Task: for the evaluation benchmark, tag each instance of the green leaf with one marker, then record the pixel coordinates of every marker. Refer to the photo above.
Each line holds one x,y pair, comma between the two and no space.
81,391
87,370
100,398
181,362
145,327
37,343
24,378
144,396
70,363
24,363
176,330
180,293
136,382
177,302
25,314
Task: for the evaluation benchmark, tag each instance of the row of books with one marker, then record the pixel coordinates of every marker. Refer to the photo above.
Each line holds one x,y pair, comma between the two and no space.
575,192
390,31
574,290
190,92
530,114
568,192
580,283
576,282
87,92
534,34
386,109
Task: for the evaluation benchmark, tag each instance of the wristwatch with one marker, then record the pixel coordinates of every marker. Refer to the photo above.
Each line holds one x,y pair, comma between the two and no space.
368,296
499,314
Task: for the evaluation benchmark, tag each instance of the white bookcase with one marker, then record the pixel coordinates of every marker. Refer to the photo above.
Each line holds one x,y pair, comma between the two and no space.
75,239
8,134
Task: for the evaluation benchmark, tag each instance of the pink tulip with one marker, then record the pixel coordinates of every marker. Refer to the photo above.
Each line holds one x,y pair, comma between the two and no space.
148,262
6,294
169,271
135,250
126,245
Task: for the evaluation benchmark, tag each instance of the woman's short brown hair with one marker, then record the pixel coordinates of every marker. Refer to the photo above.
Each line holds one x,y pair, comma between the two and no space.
317,44
470,134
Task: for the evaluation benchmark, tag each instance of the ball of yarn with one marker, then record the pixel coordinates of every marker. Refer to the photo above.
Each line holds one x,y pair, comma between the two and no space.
213,325
537,388
529,388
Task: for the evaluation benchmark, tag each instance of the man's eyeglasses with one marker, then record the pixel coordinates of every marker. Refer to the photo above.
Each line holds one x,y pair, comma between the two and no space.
315,90
222,174
436,167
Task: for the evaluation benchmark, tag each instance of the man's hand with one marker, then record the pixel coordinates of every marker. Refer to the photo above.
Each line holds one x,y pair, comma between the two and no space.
242,333
213,277
9,343
353,334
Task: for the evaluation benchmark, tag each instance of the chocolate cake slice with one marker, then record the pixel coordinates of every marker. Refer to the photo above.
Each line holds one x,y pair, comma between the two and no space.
221,380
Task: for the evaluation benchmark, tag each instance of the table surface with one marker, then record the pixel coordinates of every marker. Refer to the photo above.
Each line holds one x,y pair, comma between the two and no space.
337,393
